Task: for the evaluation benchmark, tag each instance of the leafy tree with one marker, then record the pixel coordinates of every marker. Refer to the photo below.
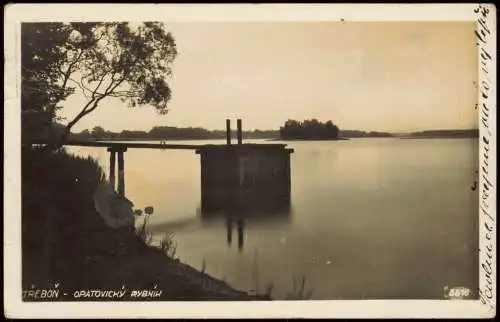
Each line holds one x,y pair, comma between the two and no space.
331,129
85,132
98,132
127,61
42,50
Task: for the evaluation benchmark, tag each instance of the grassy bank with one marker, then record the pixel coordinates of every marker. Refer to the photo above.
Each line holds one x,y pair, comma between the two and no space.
65,242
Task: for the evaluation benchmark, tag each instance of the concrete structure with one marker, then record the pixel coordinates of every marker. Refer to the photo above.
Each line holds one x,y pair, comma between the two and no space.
245,178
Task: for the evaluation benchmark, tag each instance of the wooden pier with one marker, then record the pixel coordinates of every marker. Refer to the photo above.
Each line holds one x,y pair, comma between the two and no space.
234,177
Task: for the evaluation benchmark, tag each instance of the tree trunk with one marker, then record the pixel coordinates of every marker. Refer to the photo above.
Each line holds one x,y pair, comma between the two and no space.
57,143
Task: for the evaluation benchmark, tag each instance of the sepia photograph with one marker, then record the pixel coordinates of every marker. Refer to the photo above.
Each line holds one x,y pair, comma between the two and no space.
253,160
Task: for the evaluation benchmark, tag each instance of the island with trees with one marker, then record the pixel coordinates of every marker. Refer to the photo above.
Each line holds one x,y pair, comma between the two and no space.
309,130
317,130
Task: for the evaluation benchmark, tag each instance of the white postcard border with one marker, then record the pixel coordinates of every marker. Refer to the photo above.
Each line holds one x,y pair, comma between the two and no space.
15,13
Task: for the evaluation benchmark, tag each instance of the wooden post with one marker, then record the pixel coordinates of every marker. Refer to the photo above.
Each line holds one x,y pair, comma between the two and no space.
121,173
241,229
240,135
112,161
228,132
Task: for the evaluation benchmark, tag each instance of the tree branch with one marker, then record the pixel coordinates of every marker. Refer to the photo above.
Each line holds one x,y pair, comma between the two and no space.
94,102
69,71
83,88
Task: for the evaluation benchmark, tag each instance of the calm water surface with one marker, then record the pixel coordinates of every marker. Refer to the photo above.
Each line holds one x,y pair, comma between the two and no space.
370,218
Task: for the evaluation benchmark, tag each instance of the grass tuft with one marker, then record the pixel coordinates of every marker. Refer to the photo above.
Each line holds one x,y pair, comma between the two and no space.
298,292
168,245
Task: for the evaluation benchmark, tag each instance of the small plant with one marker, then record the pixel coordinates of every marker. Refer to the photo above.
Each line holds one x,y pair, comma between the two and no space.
255,274
298,292
168,245
142,230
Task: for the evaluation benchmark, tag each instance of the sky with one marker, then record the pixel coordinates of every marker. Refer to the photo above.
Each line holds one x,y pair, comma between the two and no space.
372,76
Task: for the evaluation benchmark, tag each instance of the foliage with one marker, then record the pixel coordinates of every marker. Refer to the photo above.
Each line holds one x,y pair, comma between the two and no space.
168,245
309,129
474,133
97,132
58,215
298,292
172,133
42,51
363,134
127,61
142,231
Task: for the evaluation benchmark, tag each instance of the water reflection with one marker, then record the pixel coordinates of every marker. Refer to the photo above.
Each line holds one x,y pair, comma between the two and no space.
238,212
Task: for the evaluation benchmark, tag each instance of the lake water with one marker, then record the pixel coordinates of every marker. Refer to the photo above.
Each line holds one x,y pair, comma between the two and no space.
371,218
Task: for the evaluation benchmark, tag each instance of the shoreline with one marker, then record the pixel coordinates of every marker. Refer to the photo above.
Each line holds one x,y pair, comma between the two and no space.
438,137
289,140
136,266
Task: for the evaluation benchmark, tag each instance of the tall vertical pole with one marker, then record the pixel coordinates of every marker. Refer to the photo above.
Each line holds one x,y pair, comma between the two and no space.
121,174
240,136
228,132
288,176
241,230
240,171
112,162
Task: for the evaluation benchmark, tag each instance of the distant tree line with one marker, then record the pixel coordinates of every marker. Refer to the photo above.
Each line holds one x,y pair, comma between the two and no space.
309,129
291,130
364,134
447,133
167,133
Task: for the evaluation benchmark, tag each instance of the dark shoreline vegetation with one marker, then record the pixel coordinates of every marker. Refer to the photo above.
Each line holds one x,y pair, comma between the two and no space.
312,139
444,134
66,242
